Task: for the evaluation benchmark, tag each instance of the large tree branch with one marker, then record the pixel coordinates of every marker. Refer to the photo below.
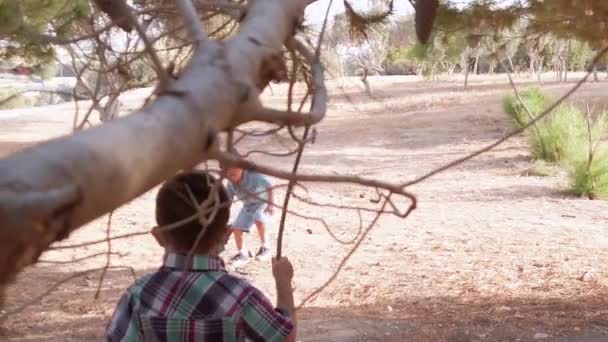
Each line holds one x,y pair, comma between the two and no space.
70,181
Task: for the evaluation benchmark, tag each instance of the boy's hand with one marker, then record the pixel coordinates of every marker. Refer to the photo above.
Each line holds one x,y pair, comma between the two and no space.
269,209
282,271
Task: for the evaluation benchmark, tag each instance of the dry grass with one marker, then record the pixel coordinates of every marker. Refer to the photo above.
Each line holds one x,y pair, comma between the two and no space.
487,256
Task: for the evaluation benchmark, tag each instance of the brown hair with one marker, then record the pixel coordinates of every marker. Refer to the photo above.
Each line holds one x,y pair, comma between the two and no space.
174,203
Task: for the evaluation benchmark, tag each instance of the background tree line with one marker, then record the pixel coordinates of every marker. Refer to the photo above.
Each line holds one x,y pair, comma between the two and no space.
482,38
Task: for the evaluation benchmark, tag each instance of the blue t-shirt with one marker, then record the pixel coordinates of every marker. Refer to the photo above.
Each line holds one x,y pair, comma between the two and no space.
252,189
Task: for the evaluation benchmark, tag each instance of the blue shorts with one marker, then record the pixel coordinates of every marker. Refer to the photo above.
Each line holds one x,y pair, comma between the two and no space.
249,214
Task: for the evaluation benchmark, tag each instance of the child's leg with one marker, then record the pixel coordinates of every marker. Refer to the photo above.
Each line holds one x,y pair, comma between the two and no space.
263,252
242,224
238,239
261,232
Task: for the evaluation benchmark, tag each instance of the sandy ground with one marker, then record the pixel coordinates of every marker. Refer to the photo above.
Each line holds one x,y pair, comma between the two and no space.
489,255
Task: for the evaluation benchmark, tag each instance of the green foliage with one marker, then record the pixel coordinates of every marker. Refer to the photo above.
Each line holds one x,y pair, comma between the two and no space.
24,24
583,20
419,52
591,180
565,137
360,24
398,62
580,55
587,162
557,133
46,70
440,54
535,100
552,138
477,16
397,55
141,73
15,100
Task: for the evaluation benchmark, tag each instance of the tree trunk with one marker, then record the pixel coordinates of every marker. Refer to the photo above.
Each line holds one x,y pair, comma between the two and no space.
466,67
53,188
532,66
368,89
566,59
540,70
476,67
595,76
341,70
512,67
466,75
451,70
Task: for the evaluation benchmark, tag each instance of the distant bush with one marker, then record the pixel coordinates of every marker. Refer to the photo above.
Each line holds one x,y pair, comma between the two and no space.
45,99
17,101
141,73
590,180
536,101
557,133
47,71
587,161
549,138
565,137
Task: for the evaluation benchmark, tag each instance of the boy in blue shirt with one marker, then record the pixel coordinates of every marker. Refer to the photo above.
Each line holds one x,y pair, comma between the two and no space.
255,191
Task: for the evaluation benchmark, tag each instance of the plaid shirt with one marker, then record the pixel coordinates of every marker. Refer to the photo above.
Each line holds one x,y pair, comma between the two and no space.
208,304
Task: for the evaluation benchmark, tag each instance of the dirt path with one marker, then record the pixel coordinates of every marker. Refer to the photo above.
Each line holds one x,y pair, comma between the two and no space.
489,255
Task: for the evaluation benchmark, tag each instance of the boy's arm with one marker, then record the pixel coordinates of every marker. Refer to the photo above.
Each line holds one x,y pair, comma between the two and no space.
267,186
285,302
282,271
124,325
270,199
230,191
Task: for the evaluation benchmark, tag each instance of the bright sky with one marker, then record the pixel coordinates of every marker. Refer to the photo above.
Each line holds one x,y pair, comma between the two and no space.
316,12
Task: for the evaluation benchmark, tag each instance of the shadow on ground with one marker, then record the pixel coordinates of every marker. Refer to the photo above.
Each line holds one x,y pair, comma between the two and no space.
71,313
452,319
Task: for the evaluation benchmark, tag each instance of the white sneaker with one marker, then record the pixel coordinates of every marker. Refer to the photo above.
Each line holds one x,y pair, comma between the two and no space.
239,259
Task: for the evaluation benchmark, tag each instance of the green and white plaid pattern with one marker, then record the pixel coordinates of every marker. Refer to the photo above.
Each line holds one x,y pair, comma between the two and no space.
197,303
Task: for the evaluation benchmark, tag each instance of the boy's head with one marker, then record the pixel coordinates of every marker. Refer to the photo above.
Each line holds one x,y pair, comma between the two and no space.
174,203
234,174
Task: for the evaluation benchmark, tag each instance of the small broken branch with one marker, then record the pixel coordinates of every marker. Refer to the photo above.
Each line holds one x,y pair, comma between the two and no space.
318,110
78,260
163,75
108,256
231,160
96,242
346,258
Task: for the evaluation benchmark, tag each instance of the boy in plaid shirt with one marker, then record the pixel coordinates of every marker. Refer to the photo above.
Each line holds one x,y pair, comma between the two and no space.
196,299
